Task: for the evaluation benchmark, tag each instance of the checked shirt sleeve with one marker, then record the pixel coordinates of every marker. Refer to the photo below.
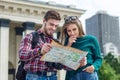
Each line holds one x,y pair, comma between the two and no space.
25,51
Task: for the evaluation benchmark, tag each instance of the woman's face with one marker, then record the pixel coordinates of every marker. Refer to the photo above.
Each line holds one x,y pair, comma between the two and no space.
72,30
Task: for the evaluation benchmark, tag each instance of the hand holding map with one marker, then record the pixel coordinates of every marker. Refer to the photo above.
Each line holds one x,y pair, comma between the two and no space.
67,56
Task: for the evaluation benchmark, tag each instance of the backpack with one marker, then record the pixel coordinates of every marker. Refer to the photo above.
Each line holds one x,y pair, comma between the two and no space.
21,73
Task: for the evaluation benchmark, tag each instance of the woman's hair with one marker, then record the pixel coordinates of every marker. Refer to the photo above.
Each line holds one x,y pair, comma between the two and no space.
70,20
51,14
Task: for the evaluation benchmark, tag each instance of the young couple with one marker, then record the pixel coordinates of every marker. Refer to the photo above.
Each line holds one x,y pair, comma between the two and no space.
72,34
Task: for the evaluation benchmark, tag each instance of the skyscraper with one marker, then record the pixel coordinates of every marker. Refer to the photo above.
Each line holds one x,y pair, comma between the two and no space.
105,27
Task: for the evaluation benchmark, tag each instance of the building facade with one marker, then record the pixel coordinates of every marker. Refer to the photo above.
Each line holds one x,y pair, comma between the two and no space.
111,48
17,18
105,28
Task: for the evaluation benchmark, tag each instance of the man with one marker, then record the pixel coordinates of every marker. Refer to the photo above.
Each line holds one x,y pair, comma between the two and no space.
36,69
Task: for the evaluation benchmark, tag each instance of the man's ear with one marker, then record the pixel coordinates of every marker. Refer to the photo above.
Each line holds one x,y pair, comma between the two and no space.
44,21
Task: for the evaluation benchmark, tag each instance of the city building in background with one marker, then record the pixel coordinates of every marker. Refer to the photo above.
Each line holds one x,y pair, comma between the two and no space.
19,17
106,28
111,48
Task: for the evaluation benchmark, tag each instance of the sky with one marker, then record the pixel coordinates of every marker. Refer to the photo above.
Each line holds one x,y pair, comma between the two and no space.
112,7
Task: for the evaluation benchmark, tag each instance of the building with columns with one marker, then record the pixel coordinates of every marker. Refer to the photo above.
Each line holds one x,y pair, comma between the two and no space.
17,18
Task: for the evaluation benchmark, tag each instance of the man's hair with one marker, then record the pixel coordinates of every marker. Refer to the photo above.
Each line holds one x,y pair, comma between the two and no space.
51,14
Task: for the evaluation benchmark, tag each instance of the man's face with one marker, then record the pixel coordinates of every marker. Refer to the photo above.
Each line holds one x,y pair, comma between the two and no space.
50,26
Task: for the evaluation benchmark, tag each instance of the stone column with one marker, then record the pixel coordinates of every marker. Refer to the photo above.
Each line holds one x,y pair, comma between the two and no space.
28,27
4,48
19,33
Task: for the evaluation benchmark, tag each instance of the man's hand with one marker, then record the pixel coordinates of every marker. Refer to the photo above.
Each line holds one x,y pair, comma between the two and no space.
46,48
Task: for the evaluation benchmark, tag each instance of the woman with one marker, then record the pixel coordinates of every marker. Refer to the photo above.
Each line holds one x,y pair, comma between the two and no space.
73,35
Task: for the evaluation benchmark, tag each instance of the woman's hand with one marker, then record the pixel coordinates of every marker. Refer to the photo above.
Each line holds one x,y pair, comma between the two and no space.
89,69
72,39
83,62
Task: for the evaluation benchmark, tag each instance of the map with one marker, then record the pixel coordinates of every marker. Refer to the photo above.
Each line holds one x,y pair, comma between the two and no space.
67,56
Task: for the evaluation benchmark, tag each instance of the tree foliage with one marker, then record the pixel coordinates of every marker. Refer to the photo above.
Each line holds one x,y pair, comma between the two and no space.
110,69
106,72
113,62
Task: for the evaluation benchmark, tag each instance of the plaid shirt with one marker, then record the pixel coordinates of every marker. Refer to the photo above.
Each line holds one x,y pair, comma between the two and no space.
31,56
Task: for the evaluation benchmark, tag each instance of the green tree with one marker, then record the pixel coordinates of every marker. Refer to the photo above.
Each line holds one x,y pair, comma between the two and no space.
113,62
106,72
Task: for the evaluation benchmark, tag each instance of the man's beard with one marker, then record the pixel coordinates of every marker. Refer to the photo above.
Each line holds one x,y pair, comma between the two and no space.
45,31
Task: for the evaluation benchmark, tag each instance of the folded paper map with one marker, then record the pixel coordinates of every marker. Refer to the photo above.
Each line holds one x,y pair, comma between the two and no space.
67,56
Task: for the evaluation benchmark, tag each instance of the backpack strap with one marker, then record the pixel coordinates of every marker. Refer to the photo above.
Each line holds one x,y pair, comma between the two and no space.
35,39
34,43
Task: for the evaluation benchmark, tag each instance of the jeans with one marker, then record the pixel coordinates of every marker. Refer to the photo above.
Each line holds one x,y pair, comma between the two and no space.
82,75
30,76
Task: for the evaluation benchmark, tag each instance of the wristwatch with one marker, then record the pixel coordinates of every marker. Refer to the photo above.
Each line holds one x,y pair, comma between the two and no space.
39,51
